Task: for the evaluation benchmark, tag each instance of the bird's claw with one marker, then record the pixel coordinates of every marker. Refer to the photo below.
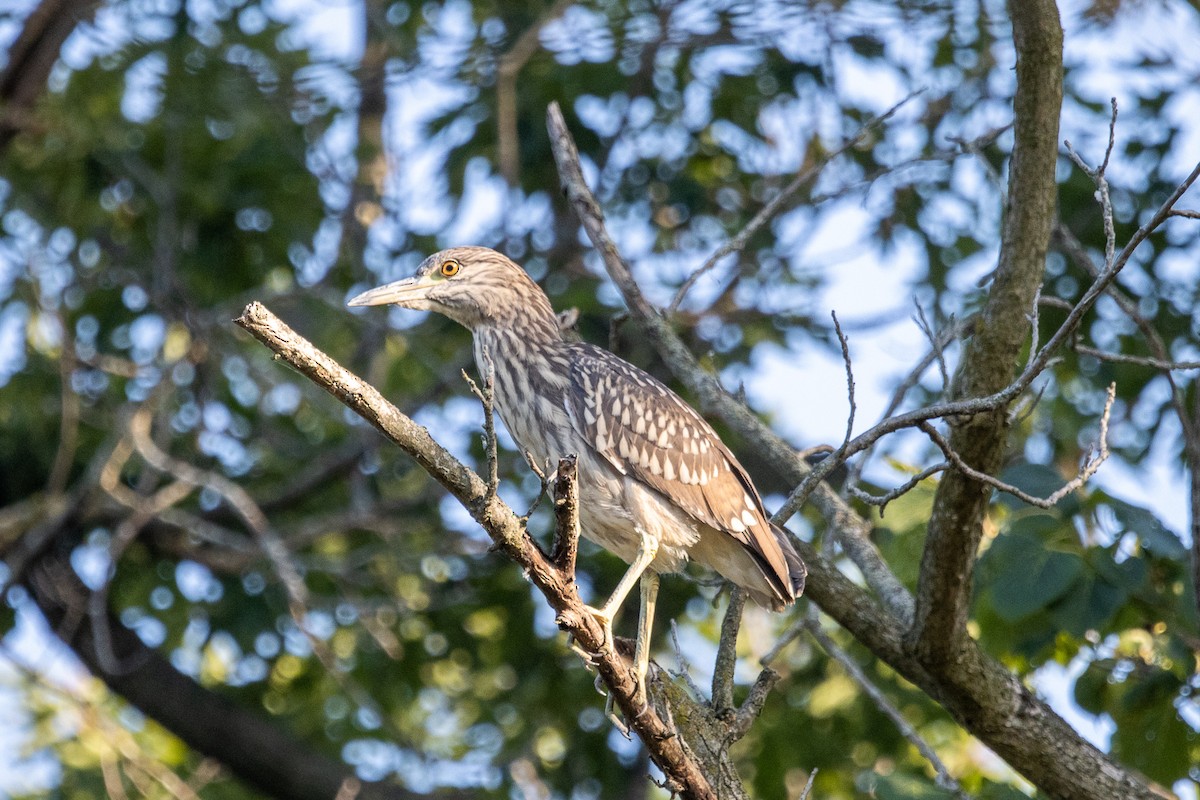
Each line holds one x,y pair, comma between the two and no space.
613,718
605,619
589,659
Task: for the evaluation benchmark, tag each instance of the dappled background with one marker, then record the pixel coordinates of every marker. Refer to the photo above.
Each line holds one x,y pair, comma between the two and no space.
186,158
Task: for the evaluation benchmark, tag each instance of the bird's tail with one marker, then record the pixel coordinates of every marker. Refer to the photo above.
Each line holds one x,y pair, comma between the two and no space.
796,569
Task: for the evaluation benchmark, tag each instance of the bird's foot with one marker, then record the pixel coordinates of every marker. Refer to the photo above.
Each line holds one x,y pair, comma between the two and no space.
641,702
589,659
605,618
610,712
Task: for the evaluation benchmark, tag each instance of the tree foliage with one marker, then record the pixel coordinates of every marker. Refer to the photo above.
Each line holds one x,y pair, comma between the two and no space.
185,159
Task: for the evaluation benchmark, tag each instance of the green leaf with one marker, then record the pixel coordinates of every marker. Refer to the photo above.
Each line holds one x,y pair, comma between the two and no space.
1155,536
1027,576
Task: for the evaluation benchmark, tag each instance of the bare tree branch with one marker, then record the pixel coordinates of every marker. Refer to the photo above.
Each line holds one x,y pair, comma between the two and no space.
504,528
1091,462
1141,361
882,500
983,695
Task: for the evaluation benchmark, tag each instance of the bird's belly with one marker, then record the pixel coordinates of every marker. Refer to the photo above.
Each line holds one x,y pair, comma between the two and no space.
613,508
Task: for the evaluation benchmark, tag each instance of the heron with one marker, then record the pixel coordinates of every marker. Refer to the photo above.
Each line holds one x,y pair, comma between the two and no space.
657,486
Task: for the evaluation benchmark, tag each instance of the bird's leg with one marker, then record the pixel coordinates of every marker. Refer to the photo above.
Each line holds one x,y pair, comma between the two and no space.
641,652
647,550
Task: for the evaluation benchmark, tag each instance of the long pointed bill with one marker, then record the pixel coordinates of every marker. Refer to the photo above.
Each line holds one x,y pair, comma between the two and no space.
401,293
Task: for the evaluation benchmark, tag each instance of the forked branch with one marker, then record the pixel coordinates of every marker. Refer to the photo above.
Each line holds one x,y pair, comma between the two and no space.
505,529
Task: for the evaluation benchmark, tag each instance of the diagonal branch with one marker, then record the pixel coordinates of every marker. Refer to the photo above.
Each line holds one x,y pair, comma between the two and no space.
1091,462
501,524
987,699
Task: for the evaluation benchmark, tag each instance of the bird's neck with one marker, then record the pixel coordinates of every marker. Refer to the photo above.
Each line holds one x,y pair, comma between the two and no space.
535,326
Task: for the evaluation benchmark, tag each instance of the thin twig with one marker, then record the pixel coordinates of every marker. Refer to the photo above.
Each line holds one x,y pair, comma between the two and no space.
944,779
808,785
882,500
935,344
540,472
1142,361
1100,178
755,702
845,345
1092,461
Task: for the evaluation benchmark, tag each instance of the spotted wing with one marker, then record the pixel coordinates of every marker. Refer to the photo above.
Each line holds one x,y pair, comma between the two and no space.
647,431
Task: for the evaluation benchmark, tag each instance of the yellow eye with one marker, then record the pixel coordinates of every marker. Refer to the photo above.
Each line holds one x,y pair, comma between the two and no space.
450,268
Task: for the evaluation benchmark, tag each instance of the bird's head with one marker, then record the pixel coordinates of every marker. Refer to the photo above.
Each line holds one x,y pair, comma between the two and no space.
474,286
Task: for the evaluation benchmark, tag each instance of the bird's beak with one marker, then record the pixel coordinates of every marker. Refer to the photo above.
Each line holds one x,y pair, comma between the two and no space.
403,293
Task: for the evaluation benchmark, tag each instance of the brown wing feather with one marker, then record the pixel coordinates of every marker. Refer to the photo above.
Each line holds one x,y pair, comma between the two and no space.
647,431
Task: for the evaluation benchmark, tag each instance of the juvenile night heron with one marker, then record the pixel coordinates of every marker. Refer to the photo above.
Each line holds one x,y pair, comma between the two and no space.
656,484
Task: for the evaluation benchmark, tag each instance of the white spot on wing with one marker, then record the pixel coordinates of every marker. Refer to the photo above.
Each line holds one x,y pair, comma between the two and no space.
748,518
668,469
654,465
684,474
736,525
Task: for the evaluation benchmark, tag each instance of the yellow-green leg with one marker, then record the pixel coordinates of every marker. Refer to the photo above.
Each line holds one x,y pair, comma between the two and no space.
641,653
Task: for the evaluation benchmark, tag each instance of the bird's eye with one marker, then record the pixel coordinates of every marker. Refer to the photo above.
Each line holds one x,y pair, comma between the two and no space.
450,268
